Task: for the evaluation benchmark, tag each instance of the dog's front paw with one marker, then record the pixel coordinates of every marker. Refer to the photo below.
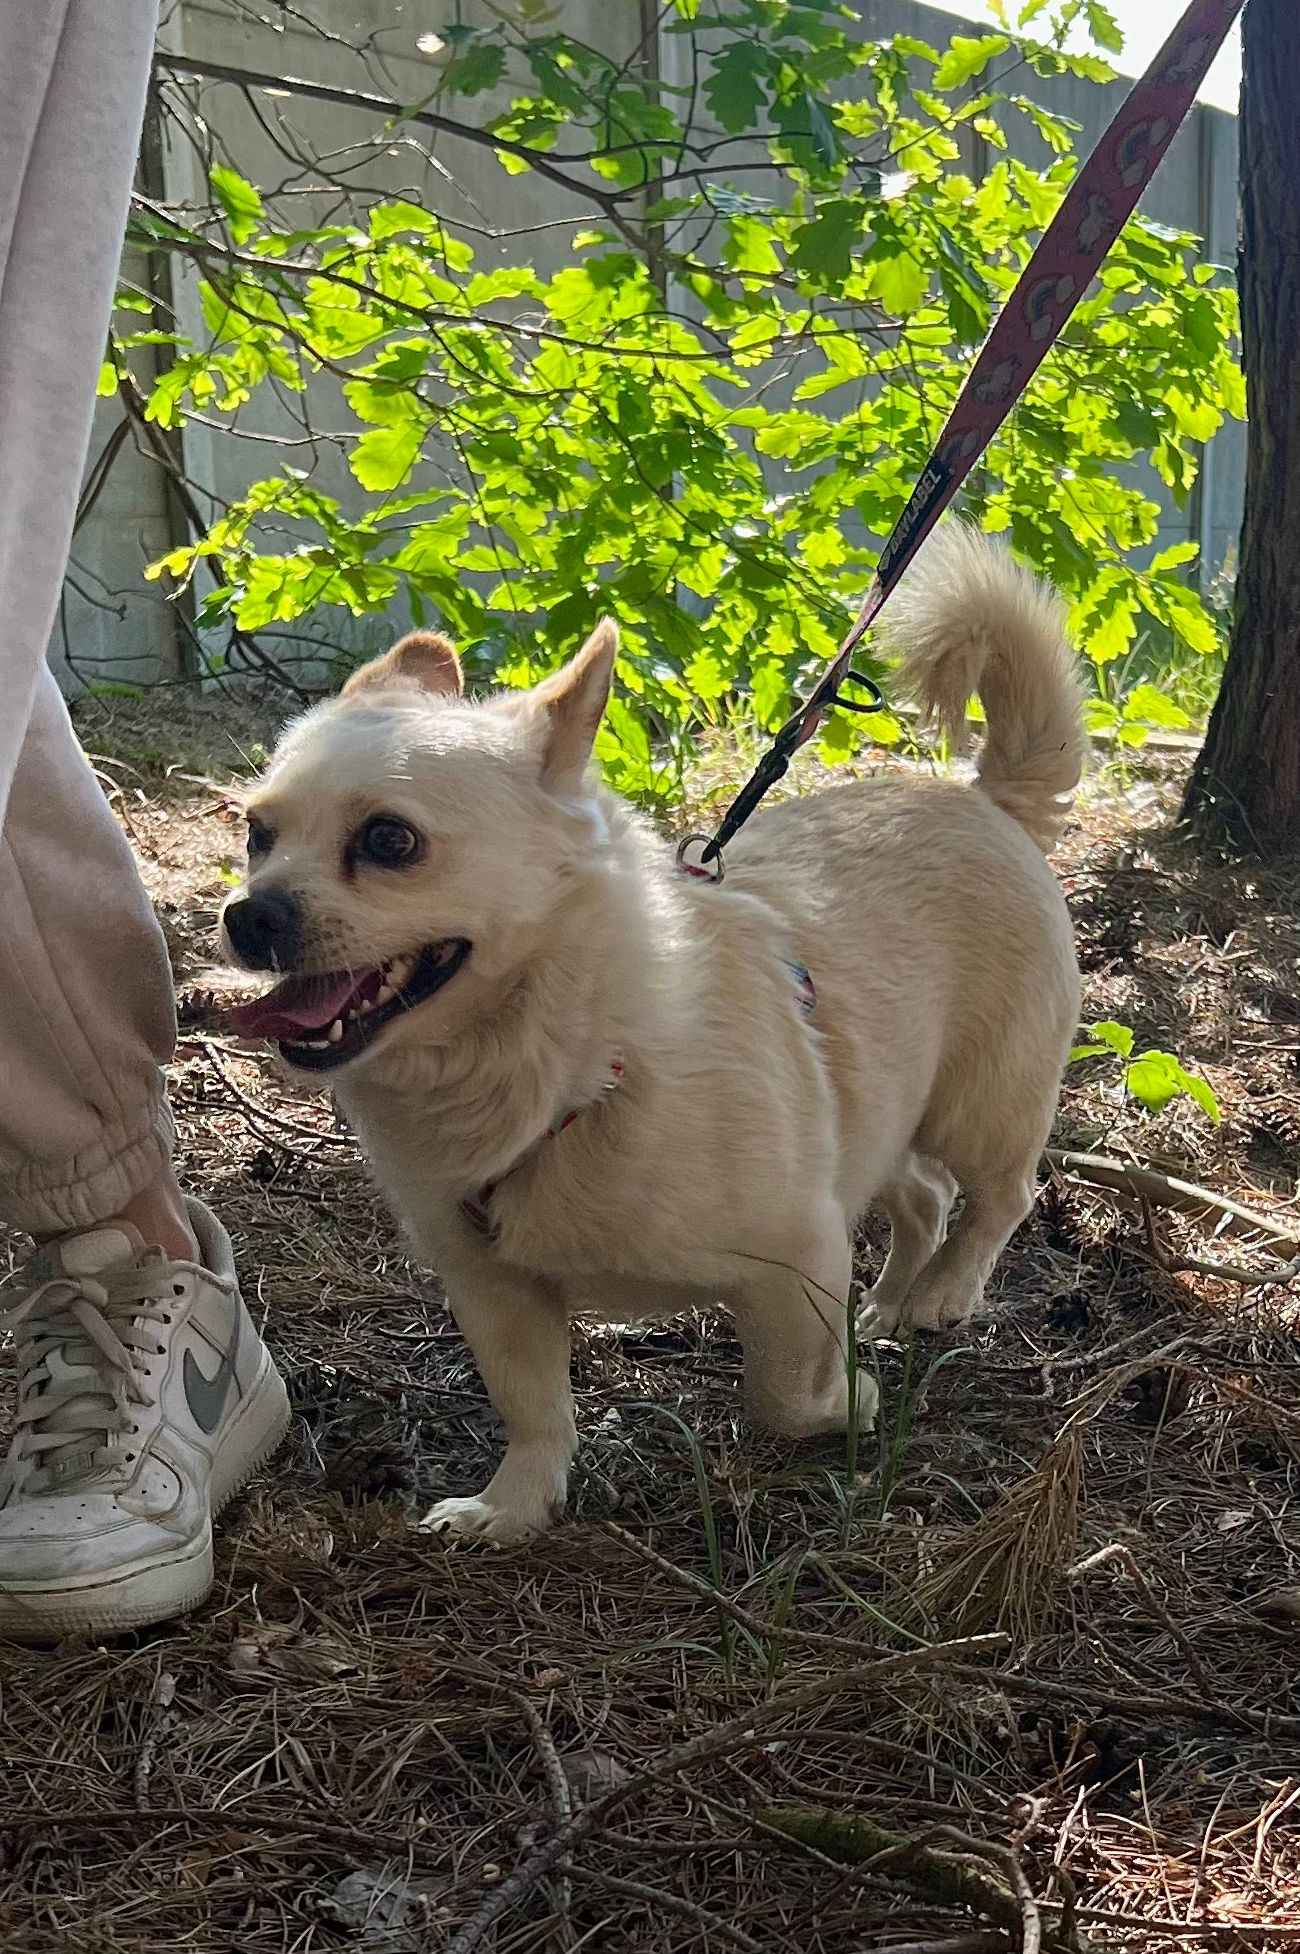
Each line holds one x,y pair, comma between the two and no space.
933,1307
879,1318
525,1496
483,1520
941,1306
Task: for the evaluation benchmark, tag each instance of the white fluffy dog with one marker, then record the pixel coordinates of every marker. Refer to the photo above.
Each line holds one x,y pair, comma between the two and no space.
589,1083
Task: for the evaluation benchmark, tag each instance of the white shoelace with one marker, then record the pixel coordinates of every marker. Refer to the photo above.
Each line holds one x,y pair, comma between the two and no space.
81,1344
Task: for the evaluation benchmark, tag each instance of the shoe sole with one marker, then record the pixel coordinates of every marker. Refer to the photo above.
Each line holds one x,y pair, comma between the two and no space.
158,1589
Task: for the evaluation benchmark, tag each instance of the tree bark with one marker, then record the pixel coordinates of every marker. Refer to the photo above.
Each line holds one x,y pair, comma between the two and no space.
1245,787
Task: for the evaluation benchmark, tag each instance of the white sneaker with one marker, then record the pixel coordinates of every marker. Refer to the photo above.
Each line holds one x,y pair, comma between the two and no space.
145,1400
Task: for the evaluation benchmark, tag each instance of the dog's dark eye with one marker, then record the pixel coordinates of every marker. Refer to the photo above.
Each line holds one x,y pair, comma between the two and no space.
388,842
260,840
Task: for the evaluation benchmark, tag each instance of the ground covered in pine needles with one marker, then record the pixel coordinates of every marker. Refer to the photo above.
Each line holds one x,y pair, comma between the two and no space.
1022,1673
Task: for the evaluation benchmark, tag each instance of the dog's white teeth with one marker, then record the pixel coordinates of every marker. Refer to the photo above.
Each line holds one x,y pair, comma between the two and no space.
399,970
317,1044
334,1036
385,994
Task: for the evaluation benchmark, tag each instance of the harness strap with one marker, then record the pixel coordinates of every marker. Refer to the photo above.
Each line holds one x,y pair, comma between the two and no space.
475,1206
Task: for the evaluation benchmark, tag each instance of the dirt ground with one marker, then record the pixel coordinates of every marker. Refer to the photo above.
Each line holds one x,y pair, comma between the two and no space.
671,1724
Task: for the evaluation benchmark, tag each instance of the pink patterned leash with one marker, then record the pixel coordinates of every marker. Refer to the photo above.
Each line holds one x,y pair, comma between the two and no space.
1098,205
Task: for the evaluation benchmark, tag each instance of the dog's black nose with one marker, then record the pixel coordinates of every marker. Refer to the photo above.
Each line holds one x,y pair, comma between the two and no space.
265,930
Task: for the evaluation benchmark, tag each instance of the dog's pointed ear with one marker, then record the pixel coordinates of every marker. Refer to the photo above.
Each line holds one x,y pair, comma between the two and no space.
422,658
573,703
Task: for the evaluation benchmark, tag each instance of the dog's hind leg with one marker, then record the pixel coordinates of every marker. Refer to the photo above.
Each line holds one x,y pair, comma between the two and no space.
917,1200
518,1329
792,1314
991,1138
950,1287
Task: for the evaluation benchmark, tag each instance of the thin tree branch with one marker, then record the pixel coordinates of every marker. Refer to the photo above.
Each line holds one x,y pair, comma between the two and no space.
353,98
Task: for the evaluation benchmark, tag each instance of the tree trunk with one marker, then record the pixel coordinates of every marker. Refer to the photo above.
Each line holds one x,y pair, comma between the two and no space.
1245,788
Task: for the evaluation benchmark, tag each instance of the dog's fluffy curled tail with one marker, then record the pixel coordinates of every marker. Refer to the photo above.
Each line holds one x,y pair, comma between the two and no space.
968,619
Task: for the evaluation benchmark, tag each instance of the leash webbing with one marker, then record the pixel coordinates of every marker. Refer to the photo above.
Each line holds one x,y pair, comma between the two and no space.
1097,206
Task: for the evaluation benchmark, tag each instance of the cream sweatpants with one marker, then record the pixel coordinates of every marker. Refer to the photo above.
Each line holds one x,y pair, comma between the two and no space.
86,1017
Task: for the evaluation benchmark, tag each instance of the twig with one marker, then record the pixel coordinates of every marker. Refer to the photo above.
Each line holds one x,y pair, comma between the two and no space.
115,795
1288,1796
1100,1394
737,1733
1068,1927
159,1722
994,1943
1223,1271
1090,1360
263,1114
1167,1191
1031,1925
557,1785
394,111
1028,1919
1236,1271
1117,1551
1266,1723
659,1900
1147,1924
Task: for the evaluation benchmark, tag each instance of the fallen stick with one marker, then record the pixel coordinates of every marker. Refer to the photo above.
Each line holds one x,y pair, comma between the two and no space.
1269,1724
738,1733
989,1941
956,1879
161,1717
557,1786
1139,1184
1284,1273
660,1900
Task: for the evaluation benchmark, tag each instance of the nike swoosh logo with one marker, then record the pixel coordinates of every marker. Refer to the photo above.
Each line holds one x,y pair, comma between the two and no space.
206,1396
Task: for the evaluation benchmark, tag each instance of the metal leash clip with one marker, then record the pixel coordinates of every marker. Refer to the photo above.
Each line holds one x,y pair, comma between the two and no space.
697,869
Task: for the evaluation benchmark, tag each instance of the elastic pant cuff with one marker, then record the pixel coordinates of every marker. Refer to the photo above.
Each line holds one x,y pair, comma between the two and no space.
54,1197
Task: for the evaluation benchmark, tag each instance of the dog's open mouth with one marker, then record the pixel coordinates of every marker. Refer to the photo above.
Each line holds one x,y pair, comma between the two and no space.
327,1019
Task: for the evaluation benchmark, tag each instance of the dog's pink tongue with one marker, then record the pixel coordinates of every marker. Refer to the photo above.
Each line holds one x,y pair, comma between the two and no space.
298,1004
